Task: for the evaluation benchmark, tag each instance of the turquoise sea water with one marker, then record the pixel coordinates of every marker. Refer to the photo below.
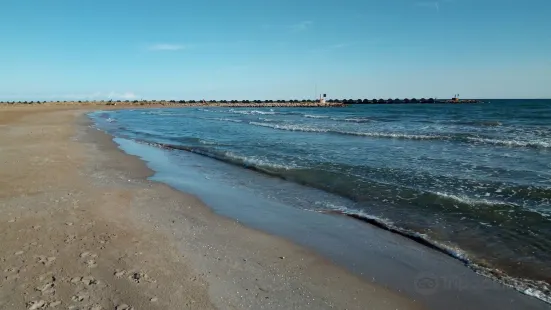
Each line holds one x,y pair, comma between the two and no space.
473,181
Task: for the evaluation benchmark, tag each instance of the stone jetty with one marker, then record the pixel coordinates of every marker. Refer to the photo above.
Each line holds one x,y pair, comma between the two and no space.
247,103
406,101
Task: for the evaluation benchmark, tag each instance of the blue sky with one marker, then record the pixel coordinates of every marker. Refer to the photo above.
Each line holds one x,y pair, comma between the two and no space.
277,49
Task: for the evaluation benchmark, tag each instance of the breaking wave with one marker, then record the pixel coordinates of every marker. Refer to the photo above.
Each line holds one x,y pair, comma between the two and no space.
393,135
479,123
292,127
511,143
253,112
224,119
315,116
538,289
354,119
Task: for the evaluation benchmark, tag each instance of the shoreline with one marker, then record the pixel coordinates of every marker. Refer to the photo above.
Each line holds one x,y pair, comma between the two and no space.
524,283
136,241
457,279
378,256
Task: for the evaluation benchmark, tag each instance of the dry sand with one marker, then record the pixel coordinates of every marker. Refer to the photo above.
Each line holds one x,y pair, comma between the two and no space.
80,230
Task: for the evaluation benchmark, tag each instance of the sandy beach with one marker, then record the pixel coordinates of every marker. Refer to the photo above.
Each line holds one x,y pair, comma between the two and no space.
83,228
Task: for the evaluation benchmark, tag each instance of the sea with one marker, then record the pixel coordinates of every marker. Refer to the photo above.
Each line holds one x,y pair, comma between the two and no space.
472,181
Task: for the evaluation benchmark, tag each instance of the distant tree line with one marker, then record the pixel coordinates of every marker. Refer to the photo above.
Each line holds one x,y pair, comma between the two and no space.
22,102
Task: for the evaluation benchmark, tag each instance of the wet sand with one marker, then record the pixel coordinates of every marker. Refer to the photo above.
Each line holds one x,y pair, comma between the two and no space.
83,228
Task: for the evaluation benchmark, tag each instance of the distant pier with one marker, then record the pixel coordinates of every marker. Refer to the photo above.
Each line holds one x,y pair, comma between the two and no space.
251,103
409,101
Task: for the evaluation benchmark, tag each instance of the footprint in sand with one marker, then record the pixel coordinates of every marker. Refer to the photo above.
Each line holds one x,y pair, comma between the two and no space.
89,280
35,305
55,304
12,277
47,261
46,289
70,238
119,273
89,225
88,254
91,263
105,238
47,277
27,246
139,277
80,296
48,286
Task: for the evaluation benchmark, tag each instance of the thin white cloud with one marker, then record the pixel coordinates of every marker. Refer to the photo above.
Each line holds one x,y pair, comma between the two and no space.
340,45
336,46
98,95
112,95
166,47
296,27
301,26
430,4
125,95
94,96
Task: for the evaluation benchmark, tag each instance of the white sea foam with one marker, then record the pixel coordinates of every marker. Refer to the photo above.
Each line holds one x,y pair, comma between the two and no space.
472,201
395,135
533,143
315,116
253,112
389,225
537,289
290,127
205,142
537,294
257,161
345,210
227,120
356,119
295,127
266,119
157,113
